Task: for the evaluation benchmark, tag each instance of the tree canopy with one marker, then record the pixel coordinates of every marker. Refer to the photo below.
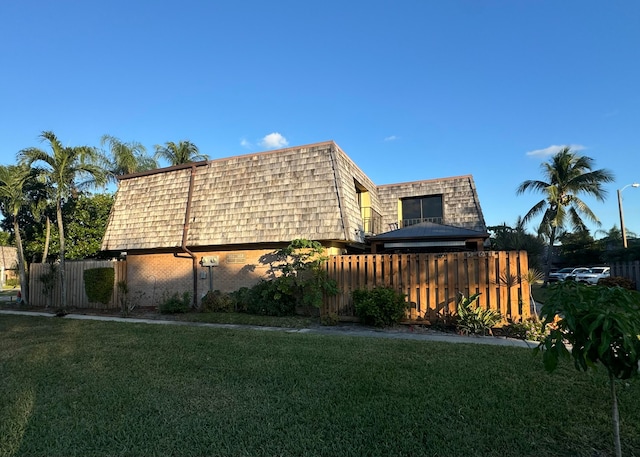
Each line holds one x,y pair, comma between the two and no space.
179,153
567,176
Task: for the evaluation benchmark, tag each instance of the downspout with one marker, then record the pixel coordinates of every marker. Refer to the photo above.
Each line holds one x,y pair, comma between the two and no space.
185,233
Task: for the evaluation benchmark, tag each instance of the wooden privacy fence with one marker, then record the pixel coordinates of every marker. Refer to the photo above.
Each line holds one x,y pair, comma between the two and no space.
76,295
433,282
630,269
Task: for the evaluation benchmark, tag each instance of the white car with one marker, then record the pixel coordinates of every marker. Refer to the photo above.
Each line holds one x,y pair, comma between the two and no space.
594,275
566,273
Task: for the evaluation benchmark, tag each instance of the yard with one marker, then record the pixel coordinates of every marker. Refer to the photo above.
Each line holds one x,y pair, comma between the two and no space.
80,388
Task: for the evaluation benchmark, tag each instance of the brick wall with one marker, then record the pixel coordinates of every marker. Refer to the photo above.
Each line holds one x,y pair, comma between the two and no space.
153,277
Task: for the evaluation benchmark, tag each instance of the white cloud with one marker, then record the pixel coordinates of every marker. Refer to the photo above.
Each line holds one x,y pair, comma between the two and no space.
245,144
273,141
391,138
554,149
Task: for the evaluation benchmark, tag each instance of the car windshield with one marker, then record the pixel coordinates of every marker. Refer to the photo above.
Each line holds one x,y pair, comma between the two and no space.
565,270
598,270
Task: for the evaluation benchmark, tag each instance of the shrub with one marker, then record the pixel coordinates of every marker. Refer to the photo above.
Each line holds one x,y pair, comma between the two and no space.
48,281
241,299
98,284
123,290
475,319
175,304
530,329
217,302
381,306
301,266
617,281
270,298
330,319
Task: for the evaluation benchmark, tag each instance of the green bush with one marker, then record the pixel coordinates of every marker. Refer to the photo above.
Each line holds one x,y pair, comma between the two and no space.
98,284
530,329
330,319
475,320
176,304
381,306
617,281
241,299
270,298
217,302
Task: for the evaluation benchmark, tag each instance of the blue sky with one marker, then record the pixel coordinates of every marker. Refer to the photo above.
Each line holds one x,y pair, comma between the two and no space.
410,90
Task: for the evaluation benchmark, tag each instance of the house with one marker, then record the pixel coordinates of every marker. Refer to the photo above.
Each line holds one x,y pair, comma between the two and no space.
8,264
212,225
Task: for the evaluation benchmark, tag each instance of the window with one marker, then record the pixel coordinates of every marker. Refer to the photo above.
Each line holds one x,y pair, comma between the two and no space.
427,208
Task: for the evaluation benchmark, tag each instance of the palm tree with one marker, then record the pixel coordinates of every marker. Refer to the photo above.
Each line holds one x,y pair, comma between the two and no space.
126,158
62,166
13,196
567,175
176,154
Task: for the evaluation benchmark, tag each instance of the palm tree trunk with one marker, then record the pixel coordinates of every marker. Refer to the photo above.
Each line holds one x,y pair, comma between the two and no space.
547,268
615,416
63,284
47,239
22,270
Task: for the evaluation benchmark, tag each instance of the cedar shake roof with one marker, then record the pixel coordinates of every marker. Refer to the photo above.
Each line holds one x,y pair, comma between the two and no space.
314,192
301,192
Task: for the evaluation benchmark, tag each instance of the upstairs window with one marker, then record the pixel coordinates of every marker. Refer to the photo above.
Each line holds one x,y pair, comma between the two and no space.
427,208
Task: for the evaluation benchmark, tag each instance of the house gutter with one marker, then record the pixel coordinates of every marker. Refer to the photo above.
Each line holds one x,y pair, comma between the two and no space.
185,233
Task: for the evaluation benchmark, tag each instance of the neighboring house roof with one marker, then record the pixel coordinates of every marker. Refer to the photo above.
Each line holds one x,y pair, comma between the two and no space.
428,235
314,191
8,257
429,230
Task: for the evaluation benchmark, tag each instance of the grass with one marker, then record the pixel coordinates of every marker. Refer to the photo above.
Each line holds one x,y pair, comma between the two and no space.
539,292
81,388
247,319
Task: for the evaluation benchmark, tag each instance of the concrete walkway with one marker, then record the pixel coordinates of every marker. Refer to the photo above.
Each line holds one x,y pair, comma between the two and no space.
342,330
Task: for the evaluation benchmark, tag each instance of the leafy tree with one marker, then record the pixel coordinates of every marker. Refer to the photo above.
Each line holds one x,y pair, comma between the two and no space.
13,183
611,246
567,176
86,220
298,273
179,153
126,158
62,167
601,325
579,248
5,238
506,238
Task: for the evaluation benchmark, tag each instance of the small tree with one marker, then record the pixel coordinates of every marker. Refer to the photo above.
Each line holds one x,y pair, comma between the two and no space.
602,325
302,275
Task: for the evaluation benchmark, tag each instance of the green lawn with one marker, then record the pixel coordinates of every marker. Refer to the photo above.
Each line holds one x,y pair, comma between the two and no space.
83,388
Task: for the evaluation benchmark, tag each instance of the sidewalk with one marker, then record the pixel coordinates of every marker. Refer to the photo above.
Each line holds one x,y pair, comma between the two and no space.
338,330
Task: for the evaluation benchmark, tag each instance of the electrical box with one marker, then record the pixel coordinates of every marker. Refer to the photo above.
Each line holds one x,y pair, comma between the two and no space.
210,261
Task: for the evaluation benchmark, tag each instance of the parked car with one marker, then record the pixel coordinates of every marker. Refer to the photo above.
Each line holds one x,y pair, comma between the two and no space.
594,275
567,273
